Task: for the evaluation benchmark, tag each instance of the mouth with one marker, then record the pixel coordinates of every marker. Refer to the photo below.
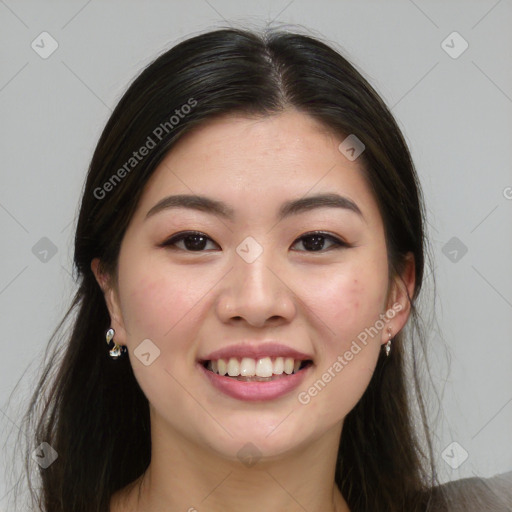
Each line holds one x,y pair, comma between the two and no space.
256,372
261,379
262,369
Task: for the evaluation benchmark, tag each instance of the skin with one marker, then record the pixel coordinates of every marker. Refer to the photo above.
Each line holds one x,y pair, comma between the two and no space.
190,303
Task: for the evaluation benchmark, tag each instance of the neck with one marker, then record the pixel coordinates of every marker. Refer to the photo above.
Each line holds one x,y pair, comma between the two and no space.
185,477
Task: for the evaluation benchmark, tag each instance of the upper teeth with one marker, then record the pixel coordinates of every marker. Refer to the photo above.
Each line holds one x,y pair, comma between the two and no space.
249,367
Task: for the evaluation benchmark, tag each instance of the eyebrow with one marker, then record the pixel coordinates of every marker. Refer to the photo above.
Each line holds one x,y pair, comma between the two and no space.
292,207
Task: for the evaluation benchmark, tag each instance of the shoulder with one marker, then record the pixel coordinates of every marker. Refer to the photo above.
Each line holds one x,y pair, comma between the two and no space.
477,494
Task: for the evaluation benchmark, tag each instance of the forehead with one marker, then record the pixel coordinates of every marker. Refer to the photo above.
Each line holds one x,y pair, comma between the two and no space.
288,138
242,160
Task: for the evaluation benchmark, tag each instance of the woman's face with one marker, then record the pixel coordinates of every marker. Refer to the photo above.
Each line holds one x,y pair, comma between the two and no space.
256,284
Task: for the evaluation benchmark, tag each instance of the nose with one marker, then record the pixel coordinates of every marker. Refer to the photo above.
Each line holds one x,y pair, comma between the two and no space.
256,293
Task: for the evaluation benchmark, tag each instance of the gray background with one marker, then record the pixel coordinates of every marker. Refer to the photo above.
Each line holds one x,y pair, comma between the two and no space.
455,114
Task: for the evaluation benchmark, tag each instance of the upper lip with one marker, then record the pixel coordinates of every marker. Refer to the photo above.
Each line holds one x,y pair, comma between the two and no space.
256,351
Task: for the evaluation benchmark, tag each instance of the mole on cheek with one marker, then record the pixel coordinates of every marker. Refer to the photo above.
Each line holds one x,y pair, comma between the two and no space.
356,294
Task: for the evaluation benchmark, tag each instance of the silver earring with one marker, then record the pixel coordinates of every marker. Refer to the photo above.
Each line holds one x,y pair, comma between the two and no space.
387,348
117,350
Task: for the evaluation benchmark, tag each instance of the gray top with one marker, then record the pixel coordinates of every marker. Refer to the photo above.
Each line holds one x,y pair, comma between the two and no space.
479,494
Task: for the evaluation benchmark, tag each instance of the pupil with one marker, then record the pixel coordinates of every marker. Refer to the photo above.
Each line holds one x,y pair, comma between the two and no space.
198,242
317,242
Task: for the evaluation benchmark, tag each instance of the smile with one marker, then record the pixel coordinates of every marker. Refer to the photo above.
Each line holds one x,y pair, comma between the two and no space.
263,369
251,386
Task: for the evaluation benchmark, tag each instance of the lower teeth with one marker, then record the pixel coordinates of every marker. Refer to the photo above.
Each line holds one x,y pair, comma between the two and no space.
255,378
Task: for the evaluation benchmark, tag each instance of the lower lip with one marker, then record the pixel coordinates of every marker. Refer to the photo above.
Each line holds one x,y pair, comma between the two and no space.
255,391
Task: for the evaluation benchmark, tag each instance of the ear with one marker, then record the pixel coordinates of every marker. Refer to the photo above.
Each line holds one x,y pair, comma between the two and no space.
398,305
112,301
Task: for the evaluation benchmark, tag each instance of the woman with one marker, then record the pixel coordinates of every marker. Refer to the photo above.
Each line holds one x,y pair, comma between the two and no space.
250,249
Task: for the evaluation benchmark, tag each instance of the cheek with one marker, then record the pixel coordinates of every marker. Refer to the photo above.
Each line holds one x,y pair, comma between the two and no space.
154,305
147,305
159,306
346,306
162,305
346,302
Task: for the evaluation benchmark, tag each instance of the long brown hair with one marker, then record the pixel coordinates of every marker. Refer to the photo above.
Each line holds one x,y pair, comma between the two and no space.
90,408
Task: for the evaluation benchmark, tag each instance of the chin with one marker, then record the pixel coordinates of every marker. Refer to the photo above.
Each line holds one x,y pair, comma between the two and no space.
266,438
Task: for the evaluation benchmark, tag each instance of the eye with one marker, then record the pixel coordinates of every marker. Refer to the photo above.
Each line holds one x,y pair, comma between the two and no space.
195,241
191,241
315,241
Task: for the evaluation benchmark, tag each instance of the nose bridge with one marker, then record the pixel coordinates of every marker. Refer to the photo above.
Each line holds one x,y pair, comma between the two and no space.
254,283
255,277
254,291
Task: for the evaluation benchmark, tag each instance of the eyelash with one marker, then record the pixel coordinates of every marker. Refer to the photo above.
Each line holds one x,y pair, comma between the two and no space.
338,244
